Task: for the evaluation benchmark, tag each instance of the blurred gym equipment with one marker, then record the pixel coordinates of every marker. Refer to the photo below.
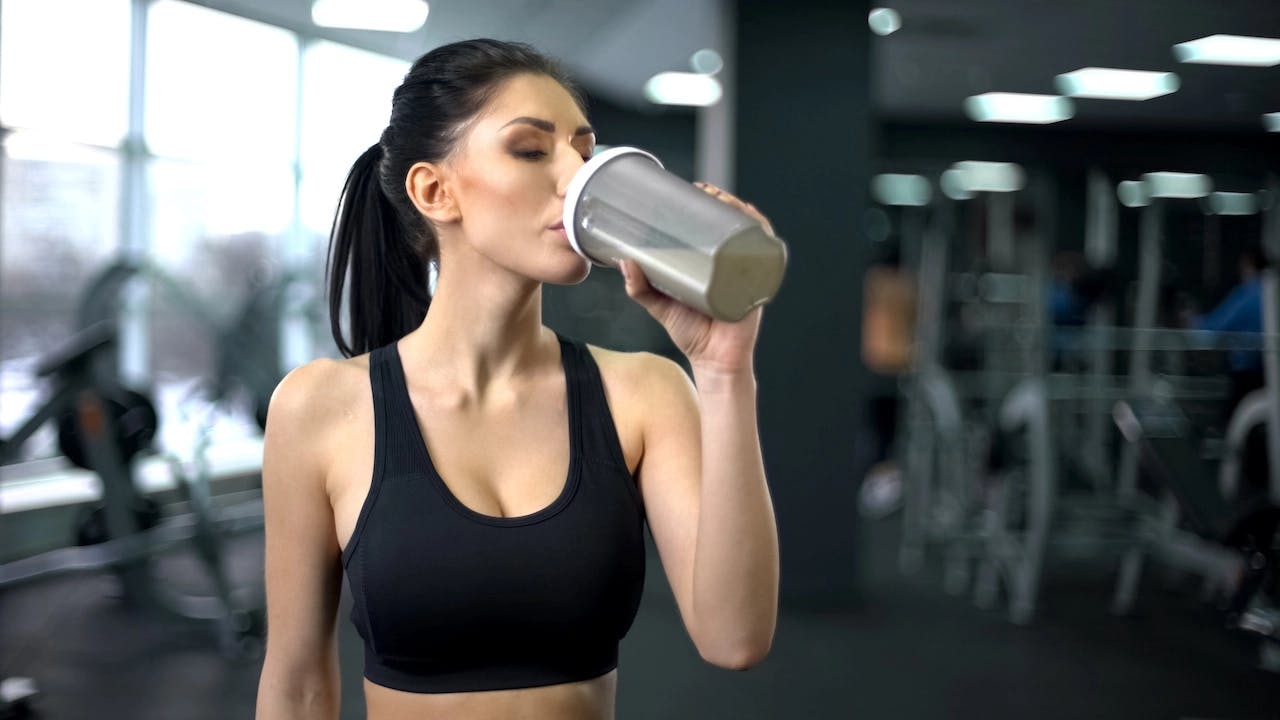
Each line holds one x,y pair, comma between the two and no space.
104,428
1015,415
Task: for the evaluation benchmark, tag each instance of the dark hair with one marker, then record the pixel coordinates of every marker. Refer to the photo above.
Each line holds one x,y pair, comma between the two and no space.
379,239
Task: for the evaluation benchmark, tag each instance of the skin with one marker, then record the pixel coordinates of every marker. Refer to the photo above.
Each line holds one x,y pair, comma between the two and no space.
483,365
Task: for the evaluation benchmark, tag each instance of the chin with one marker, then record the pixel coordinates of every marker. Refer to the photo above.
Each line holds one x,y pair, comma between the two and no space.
573,275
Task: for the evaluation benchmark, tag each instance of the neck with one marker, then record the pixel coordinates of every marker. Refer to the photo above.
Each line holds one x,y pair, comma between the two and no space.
484,327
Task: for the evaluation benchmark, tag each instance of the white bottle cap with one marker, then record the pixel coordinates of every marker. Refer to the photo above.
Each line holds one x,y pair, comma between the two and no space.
579,181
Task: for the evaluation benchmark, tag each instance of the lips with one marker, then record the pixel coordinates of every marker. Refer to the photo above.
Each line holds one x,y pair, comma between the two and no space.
558,226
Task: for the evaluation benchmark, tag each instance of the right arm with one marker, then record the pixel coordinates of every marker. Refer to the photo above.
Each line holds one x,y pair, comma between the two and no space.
303,561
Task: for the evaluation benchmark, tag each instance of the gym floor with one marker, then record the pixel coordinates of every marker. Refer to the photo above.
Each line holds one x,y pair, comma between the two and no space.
908,651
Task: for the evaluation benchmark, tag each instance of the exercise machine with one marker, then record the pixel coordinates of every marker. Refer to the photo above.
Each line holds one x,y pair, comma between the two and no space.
103,428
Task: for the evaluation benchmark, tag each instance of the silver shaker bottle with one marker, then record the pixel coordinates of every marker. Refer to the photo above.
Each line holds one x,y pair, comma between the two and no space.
622,205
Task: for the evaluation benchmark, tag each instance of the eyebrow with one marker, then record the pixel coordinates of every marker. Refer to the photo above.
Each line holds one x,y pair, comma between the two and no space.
548,126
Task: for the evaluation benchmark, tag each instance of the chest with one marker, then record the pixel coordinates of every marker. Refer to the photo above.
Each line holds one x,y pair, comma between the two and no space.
517,547
506,462
437,585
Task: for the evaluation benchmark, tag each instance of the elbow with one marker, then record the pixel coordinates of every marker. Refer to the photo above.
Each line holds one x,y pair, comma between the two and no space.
742,655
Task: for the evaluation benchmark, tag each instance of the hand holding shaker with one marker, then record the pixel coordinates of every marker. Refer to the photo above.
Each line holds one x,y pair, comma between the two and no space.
622,205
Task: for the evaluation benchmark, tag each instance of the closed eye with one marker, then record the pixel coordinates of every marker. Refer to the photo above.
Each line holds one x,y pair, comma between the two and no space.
530,154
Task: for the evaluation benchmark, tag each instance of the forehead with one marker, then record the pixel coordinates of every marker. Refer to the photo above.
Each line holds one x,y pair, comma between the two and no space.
535,96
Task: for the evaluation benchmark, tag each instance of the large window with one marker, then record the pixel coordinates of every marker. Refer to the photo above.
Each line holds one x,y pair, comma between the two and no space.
64,106
66,68
220,88
346,103
221,170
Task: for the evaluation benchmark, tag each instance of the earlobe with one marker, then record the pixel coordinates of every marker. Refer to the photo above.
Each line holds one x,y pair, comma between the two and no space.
428,187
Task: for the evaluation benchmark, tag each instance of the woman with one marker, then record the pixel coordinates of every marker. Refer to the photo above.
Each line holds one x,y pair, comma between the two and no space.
482,481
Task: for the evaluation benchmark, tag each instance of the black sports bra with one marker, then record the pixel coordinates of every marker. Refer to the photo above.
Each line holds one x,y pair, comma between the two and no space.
451,600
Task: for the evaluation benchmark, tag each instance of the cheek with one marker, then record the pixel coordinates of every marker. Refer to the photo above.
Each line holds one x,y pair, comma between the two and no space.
506,190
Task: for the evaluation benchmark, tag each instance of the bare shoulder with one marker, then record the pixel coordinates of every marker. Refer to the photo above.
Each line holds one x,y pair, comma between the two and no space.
313,401
321,388
641,377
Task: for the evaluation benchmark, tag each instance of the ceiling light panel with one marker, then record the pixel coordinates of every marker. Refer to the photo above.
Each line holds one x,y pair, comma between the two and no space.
1230,50
1116,84
900,189
401,16
681,88
1233,203
1177,185
1018,108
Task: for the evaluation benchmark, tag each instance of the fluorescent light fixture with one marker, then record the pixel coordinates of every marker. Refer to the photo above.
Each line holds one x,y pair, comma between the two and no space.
1230,50
1177,185
953,185
1114,84
682,88
983,176
884,21
402,16
1133,193
1271,121
902,190
1018,108
1233,203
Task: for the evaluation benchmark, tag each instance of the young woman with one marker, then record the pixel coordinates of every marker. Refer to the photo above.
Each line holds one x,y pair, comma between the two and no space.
483,481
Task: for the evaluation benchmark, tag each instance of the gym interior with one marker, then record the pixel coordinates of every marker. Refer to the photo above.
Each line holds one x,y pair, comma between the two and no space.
1018,391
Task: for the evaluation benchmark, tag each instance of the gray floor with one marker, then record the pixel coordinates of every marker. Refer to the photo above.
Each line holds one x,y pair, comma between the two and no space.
907,651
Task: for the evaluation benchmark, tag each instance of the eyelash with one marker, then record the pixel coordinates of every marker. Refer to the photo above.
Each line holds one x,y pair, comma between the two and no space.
538,155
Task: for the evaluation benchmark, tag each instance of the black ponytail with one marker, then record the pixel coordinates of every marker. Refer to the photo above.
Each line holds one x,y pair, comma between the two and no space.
380,243
388,274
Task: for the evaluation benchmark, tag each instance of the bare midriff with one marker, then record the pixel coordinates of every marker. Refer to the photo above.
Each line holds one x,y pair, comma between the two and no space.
587,700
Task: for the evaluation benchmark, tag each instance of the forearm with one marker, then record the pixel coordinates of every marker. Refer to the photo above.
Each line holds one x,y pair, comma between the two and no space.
735,573
294,695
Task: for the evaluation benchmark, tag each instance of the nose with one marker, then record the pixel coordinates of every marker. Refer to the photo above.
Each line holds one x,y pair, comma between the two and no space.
566,169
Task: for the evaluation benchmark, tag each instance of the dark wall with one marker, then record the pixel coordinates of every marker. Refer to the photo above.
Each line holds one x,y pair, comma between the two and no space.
666,131
802,156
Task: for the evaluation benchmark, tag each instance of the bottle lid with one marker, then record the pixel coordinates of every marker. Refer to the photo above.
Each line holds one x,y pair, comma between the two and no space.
579,181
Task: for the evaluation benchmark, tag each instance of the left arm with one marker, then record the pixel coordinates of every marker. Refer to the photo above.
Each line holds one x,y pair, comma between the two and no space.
703,482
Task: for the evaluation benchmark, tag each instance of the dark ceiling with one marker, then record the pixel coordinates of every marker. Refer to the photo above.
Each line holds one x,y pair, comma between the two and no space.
948,50
944,52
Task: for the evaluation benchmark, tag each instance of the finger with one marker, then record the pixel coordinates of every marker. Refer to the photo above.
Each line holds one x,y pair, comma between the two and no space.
637,285
755,213
737,202
638,288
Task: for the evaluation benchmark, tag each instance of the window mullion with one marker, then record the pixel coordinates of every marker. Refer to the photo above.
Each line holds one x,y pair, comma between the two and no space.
135,215
296,346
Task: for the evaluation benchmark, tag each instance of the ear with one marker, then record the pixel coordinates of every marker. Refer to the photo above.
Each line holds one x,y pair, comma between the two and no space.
429,188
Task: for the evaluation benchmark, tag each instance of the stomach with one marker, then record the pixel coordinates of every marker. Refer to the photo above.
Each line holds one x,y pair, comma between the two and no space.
586,700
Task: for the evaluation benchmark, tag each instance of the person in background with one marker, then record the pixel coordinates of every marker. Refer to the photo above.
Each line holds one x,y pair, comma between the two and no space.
1241,312
482,480
888,338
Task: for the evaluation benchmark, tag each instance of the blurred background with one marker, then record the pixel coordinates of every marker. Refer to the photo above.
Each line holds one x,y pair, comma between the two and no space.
1017,394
